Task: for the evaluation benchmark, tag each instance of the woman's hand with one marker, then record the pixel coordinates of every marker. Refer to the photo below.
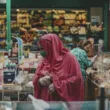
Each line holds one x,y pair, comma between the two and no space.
51,88
93,59
45,81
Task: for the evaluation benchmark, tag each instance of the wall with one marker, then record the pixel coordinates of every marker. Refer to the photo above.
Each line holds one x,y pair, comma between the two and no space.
56,3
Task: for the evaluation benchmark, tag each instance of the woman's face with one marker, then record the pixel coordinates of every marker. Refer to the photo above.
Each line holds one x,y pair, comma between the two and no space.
87,47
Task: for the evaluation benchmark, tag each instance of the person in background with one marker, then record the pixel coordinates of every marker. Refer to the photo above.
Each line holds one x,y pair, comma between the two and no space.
58,76
91,52
14,50
84,46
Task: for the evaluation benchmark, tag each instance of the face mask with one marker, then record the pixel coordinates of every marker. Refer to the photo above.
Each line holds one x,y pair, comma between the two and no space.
43,53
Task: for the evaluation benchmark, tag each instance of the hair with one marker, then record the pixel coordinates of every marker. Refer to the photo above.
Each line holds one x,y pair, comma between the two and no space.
83,43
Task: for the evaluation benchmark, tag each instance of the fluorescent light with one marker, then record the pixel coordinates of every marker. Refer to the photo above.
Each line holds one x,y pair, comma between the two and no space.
2,1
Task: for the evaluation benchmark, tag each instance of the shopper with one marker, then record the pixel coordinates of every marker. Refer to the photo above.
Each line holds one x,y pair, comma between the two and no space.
81,54
58,77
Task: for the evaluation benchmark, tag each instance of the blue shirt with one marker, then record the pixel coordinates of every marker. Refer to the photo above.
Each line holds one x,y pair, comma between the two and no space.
82,58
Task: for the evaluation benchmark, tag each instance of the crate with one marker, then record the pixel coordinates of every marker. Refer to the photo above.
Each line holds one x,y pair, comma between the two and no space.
23,95
10,96
8,80
8,77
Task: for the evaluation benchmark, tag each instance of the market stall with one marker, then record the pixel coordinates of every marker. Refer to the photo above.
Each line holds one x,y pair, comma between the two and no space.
16,79
16,73
19,62
69,24
99,75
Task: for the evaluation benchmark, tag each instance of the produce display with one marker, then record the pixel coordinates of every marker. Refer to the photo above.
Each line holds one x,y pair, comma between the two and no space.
100,72
27,24
58,21
2,29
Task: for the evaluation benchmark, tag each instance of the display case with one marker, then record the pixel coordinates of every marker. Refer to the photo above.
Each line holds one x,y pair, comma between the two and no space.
93,105
101,68
99,73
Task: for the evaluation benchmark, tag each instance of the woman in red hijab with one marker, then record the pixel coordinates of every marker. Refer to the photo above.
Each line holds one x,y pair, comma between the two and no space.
58,77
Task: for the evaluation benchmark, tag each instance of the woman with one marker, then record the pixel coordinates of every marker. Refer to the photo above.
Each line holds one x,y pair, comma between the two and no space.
58,77
81,54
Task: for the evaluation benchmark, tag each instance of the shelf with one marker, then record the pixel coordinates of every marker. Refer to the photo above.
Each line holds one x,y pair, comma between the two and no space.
3,50
75,34
17,33
13,58
2,31
2,38
68,16
14,21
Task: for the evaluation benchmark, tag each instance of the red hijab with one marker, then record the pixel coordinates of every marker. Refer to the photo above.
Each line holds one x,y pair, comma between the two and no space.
64,69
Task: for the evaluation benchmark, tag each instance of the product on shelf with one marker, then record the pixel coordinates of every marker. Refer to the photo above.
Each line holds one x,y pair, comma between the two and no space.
57,21
81,30
65,29
56,29
10,96
50,29
9,73
74,30
24,96
100,71
23,17
20,78
2,30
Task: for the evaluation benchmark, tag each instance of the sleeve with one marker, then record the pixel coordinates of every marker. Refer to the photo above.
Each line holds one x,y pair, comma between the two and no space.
72,88
85,59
